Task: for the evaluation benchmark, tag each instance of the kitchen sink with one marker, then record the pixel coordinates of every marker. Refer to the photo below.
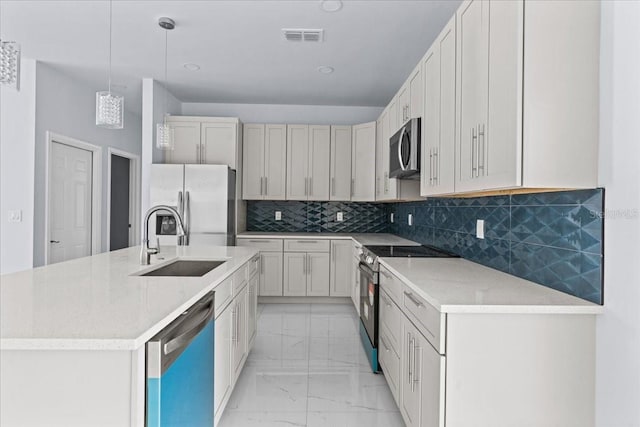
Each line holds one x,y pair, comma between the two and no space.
185,268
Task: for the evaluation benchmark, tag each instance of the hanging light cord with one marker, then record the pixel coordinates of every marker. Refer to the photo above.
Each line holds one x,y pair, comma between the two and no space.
166,82
110,31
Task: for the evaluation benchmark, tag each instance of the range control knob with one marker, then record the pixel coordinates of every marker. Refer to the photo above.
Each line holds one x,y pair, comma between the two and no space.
360,251
369,259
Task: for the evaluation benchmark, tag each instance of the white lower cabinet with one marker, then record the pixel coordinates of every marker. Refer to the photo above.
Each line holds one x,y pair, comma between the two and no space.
355,277
485,369
306,274
341,265
270,268
235,329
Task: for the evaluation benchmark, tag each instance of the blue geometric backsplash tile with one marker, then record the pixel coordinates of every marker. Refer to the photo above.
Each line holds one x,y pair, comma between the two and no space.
555,238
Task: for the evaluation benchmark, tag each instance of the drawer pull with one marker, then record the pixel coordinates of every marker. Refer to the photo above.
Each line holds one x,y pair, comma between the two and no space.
386,301
386,276
384,344
413,299
260,241
307,241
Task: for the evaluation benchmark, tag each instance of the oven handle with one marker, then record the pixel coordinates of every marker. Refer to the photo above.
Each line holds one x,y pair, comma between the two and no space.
365,269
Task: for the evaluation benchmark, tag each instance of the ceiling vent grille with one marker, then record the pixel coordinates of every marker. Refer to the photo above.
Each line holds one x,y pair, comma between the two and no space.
303,35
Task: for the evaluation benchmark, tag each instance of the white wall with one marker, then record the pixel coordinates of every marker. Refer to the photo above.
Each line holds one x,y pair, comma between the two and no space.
66,106
17,144
288,114
156,102
618,330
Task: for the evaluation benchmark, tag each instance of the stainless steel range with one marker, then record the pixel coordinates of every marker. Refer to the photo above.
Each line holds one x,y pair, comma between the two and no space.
369,284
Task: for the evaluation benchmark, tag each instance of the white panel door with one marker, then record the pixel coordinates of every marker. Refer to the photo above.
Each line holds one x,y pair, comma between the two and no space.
319,162
444,160
363,162
239,333
206,187
219,143
70,201
341,265
403,104
271,274
253,158
415,93
380,141
252,309
340,163
275,162
187,143
297,162
295,273
318,274
431,118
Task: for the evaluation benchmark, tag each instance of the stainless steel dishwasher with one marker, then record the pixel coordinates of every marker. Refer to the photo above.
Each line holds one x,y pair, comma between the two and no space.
180,364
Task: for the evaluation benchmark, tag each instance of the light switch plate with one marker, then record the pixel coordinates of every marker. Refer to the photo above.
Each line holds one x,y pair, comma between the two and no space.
340,216
480,228
391,218
410,220
15,216
278,216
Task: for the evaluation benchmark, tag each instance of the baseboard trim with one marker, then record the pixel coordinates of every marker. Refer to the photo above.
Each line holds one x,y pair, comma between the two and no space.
304,300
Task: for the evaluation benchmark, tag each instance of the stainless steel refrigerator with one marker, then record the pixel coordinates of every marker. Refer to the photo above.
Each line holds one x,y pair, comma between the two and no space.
205,197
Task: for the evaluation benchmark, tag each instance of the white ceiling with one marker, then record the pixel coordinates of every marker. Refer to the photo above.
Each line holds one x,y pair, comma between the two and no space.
373,45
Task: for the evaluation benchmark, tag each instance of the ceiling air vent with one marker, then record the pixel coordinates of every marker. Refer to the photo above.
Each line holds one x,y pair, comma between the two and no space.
302,35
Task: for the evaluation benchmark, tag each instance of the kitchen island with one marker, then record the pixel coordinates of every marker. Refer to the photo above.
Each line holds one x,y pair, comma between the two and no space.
72,335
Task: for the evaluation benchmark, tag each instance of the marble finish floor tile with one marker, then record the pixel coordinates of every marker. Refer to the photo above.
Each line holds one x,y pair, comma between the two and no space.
307,368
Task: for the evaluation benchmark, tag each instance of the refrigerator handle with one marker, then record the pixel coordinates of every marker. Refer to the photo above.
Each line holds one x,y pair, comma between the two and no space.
181,212
186,219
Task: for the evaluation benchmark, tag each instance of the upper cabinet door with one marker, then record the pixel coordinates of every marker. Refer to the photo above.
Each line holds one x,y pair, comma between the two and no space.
319,162
297,162
186,135
380,141
363,160
253,162
438,123
473,44
414,108
394,117
275,162
219,143
404,100
340,163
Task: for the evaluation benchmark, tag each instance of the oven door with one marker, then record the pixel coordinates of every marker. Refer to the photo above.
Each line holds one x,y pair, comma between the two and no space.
369,302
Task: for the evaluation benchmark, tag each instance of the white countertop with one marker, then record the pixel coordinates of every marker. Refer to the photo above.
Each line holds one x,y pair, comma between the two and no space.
455,285
362,238
94,302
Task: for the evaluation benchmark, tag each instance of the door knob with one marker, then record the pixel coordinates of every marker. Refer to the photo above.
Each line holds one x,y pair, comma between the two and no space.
54,241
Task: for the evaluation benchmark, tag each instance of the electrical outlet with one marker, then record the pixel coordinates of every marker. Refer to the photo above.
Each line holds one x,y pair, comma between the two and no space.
391,218
340,216
410,220
278,216
480,228
14,216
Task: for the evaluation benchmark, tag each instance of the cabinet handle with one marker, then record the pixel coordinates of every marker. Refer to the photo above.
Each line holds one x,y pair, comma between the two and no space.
416,378
386,276
197,153
431,166
481,149
310,266
384,344
304,265
386,301
310,185
436,167
233,325
473,153
413,299
261,266
203,159
353,184
306,188
333,186
409,367
266,185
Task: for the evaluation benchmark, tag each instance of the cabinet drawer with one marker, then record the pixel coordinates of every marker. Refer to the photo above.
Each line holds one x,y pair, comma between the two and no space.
430,322
390,321
306,245
390,363
392,285
263,245
223,295
239,279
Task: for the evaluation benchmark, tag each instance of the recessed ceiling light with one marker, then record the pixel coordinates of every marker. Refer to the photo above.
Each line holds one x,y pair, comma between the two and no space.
331,5
192,67
325,69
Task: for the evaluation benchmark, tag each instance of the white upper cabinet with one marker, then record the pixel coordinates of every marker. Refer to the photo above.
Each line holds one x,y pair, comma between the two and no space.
363,161
439,114
410,98
205,140
308,159
527,104
264,162
340,163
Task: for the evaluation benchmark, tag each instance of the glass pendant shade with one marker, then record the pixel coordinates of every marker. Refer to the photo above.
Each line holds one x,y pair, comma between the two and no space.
164,137
109,110
10,63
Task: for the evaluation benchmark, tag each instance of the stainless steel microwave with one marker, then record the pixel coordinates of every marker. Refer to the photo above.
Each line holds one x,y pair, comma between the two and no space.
404,151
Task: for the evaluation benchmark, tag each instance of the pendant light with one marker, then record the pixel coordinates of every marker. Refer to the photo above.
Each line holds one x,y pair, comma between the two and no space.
164,132
10,64
109,107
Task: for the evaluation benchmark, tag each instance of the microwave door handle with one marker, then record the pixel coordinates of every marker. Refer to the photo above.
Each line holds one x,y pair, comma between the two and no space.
402,165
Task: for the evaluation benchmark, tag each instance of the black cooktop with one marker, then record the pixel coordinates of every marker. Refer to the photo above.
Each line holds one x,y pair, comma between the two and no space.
410,251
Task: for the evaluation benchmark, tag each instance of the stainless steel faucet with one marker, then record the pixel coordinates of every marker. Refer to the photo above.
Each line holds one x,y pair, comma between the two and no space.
146,251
